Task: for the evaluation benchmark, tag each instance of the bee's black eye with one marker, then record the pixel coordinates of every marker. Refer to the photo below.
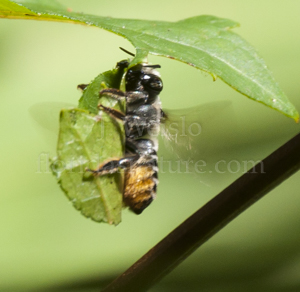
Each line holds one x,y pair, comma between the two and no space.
152,83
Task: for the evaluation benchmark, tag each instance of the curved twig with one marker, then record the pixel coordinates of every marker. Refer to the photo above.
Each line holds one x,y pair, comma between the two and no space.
211,218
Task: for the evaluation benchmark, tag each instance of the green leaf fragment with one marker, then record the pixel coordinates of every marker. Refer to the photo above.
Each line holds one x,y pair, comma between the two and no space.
90,97
83,142
205,42
87,140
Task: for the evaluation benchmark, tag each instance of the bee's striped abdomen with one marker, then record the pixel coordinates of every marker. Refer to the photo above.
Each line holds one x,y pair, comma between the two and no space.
140,187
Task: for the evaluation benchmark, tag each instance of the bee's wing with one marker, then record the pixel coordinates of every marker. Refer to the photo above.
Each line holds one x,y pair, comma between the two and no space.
45,119
195,135
46,114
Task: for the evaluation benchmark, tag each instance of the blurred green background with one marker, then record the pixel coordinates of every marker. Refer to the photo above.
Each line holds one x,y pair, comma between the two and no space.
46,243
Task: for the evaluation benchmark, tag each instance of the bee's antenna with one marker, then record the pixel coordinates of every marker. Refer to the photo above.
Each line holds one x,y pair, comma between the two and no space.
129,53
152,66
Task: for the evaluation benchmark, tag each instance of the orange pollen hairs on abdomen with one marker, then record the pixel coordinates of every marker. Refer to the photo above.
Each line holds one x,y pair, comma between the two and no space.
140,187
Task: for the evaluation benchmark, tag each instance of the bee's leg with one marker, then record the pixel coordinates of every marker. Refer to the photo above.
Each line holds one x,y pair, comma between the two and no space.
113,93
132,97
113,166
141,151
112,112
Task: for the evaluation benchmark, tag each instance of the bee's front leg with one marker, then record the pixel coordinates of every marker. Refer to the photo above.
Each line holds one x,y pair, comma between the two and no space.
113,112
131,97
112,166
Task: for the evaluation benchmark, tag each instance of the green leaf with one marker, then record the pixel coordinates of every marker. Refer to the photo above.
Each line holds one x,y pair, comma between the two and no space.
205,42
87,140
12,9
90,97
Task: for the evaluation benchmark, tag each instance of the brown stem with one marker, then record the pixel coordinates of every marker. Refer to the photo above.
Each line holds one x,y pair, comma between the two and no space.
211,218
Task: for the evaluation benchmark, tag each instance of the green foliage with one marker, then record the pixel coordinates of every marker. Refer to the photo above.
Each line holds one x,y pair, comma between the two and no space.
90,97
205,42
87,140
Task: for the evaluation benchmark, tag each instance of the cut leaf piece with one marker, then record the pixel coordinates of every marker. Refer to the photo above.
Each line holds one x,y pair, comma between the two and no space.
87,139
204,42
84,141
90,96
